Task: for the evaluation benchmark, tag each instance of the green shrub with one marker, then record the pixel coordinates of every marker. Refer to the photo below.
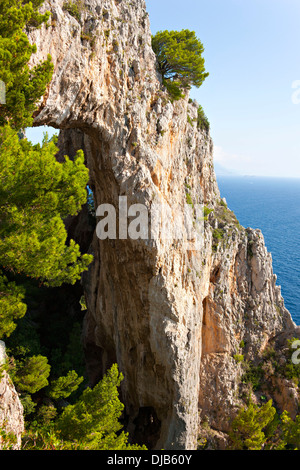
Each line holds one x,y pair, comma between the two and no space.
92,423
238,358
33,374
189,200
253,375
248,426
63,387
207,211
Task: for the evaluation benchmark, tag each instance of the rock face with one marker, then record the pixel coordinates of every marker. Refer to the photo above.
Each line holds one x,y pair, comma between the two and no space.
172,314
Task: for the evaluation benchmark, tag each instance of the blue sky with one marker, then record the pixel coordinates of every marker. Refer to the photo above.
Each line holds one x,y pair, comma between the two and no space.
252,52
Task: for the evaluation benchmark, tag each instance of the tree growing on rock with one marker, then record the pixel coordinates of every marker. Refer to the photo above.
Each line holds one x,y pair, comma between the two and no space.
180,60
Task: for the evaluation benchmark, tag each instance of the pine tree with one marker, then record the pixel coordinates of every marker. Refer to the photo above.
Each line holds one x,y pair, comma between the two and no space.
24,86
180,61
36,192
33,374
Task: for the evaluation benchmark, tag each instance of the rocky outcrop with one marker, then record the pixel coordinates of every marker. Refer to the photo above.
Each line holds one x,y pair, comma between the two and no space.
11,409
172,312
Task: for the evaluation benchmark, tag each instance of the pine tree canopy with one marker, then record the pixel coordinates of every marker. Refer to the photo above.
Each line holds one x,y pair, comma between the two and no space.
180,60
93,422
24,86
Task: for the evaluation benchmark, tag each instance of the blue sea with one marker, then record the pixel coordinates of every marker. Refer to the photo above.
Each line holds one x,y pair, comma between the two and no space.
273,206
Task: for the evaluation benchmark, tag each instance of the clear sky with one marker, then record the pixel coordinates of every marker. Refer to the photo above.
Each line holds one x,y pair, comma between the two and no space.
252,52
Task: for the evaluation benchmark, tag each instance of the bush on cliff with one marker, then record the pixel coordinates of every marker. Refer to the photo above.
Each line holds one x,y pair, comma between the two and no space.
36,194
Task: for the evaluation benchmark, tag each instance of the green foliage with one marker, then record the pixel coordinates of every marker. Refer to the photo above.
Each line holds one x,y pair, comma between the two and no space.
72,8
174,89
262,428
24,86
207,211
290,370
180,61
283,432
218,234
249,425
189,200
33,374
290,431
11,305
29,405
238,358
253,375
8,439
25,339
95,414
202,121
36,194
63,387
46,414
91,202
92,423
226,221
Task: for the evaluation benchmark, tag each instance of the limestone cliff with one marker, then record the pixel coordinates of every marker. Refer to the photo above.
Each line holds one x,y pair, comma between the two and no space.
172,316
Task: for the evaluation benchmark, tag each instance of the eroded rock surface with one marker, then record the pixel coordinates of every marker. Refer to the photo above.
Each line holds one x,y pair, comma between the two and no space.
173,316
